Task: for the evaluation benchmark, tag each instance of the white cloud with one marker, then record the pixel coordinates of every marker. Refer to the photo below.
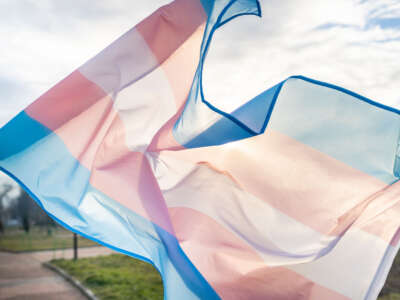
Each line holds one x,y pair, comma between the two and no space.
332,41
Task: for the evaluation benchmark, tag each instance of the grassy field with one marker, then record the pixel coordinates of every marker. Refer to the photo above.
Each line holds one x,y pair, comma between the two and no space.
391,296
116,277
39,239
121,277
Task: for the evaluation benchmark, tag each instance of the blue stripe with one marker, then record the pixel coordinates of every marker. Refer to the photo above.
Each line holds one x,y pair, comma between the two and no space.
230,8
217,134
17,128
60,185
207,5
256,113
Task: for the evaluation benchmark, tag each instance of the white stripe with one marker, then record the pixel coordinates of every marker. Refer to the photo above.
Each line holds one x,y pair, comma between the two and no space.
279,239
123,62
142,95
351,266
144,108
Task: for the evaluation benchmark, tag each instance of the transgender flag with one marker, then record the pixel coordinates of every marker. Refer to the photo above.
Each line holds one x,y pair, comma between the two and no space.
293,195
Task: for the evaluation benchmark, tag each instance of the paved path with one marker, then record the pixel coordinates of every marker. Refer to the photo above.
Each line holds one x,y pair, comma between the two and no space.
22,276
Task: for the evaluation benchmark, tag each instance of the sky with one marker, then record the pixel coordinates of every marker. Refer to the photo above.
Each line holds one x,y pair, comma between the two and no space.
351,43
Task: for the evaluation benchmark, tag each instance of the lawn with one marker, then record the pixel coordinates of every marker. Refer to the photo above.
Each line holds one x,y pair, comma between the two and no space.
121,277
115,276
391,296
40,239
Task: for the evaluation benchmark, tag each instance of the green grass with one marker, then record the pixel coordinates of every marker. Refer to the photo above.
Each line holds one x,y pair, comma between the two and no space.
115,277
391,296
40,239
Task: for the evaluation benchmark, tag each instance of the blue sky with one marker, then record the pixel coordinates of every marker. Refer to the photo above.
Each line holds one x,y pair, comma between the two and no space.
355,44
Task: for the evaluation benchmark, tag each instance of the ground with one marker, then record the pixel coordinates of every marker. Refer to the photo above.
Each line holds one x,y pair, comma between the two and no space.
109,277
22,276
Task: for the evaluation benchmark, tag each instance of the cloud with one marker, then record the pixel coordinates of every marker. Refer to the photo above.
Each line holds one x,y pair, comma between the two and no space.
354,44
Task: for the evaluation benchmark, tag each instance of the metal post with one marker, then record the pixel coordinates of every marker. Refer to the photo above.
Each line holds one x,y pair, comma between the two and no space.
75,246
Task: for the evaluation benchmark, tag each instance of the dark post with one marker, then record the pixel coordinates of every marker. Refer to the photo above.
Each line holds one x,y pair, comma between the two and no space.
75,246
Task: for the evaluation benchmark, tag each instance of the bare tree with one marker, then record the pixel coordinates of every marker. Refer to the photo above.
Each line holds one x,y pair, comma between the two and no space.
25,205
30,212
21,206
6,188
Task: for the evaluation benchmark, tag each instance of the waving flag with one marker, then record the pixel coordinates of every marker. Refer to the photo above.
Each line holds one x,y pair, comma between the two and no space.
293,195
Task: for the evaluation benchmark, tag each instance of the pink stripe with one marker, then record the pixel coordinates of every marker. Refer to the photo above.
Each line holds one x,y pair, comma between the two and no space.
66,100
164,139
382,215
79,112
233,268
126,177
180,67
168,27
305,184
396,238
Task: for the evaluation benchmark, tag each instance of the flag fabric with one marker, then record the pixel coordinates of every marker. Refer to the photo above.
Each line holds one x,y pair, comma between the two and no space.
293,195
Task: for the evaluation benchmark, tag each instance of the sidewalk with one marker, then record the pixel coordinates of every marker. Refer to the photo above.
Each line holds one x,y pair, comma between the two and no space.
22,276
